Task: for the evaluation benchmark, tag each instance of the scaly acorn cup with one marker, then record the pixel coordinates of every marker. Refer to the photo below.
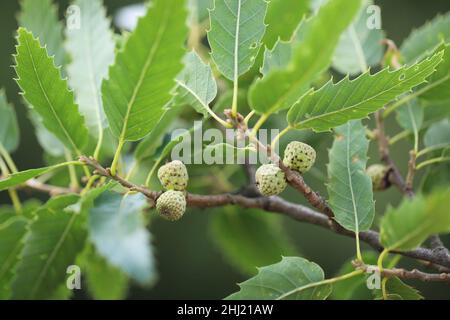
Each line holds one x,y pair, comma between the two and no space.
270,180
299,156
173,176
378,173
171,205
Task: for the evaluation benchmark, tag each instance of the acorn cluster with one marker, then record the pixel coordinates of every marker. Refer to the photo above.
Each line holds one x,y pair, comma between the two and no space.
174,178
271,180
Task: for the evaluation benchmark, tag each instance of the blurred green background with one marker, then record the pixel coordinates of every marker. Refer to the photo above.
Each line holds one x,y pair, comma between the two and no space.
190,264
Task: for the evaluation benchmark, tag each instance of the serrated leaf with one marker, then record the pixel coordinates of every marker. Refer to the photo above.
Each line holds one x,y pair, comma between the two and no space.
282,87
143,74
335,104
285,280
241,235
438,85
438,134
406,227
117,230
48,93
55,238
196,85
104,282
350,188
9,128
23,176
396,289
41,18
91,47
410,116
426,38
236,30
359,46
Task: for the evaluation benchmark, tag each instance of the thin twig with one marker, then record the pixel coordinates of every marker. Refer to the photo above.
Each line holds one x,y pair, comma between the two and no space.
405,274
383,146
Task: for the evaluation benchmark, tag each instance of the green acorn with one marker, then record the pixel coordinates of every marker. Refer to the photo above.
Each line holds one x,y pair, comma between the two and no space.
171,205
270,180
378,173
173,176
299,156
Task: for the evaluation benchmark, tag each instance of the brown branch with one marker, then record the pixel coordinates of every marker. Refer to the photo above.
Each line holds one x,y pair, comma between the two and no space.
275,205
405,274
395,176
46,188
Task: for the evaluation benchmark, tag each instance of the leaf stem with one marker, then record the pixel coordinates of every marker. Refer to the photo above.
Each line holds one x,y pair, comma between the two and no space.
234,106
12,192
432,148
115,161
380,268
5,154
278,136
259,123
72,173
432,161
99,142
249,116
152,171
323,282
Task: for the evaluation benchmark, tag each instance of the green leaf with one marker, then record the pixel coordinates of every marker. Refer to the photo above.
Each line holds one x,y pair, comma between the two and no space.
350,188
335,104
47,92
55,238
237,27
198,10
148,146
241,235
104,282
396,289
196,85
406,227
438,134
9,128
117,230
282,18
438,85
410,116
426,38
436,177
143,74
91,48
282,87
12,231
286,280
23,176
359,46
42,19
48,141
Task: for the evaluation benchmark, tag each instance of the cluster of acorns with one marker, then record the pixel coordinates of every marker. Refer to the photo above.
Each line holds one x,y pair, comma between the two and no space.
174,178
271,180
